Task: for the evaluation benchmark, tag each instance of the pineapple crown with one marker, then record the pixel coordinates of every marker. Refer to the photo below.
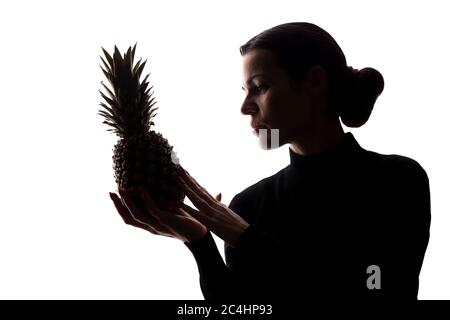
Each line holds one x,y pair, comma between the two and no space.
129,105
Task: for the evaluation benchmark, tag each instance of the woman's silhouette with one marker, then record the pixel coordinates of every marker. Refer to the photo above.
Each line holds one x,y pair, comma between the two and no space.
339,221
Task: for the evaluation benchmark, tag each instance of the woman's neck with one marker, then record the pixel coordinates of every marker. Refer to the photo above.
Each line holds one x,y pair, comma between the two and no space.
320,141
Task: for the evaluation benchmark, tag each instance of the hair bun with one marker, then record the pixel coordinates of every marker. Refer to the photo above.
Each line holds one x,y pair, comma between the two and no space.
352,72
364,87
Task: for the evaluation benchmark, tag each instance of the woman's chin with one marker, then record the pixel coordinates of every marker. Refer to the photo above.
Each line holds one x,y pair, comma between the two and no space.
268,138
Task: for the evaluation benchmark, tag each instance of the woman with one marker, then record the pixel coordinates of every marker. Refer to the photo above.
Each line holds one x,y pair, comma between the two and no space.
339,221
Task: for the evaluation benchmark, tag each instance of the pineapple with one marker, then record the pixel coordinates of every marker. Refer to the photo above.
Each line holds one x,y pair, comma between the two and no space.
141,157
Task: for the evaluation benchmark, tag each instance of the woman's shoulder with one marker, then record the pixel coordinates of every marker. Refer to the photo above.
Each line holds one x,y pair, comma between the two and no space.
397,166
403,188
263,183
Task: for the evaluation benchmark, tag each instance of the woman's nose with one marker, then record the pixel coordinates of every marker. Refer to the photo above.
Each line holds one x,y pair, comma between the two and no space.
249,107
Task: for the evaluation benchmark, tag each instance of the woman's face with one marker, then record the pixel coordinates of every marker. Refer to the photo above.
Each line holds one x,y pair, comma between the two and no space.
274,101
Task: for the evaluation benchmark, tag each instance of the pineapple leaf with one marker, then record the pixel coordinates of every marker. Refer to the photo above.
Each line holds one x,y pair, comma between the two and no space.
151,103
111,95
110,120
143,87
127,58
116,112
128,105
151,115
107,116
147,92
111,111
118,60
140,69
137,66
149,99
145,80
114,125
112,103
117,53
107,67
108,76
128,54
108,57
132,53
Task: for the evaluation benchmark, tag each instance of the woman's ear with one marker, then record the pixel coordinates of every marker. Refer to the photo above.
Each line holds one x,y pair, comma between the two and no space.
317,80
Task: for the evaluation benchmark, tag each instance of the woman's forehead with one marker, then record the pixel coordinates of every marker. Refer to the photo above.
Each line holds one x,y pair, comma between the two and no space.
259,61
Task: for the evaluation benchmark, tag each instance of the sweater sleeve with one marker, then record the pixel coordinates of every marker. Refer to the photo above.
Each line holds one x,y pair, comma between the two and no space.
240,277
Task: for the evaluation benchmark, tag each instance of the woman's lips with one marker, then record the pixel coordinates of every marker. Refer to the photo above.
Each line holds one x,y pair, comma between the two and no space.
257,128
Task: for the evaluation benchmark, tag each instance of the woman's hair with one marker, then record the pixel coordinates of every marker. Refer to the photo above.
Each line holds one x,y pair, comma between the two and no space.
300,45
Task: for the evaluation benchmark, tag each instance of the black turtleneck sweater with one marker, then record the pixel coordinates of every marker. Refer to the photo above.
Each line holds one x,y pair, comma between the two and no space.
318,224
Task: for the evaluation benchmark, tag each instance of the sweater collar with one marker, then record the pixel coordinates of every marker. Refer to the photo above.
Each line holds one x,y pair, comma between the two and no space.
339,152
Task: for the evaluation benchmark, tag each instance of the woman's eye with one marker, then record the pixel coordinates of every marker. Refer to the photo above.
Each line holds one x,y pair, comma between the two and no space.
259,88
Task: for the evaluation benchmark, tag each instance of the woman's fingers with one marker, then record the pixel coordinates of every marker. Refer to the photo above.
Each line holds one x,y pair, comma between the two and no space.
195,186
150,205
147,220
180,212
176,223
163,218
197,198
192,212
134,210
127,216
197,194
199,215
123,212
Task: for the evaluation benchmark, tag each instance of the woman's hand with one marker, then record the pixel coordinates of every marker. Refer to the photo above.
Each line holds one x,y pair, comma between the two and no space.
186,223
214,215
176,224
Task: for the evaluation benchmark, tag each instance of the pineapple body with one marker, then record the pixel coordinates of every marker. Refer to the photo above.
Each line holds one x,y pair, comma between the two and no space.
146,160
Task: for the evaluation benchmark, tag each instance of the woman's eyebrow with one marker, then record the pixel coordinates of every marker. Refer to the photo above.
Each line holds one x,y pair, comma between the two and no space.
253,76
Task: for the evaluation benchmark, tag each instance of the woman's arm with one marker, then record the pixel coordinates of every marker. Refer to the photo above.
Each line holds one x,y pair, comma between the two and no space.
250,263
413,211
217,282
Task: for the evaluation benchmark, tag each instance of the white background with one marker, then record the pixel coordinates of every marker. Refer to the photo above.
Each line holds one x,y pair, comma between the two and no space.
60,236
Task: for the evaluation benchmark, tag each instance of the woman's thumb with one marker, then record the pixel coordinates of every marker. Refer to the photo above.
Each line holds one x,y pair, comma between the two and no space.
219,197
